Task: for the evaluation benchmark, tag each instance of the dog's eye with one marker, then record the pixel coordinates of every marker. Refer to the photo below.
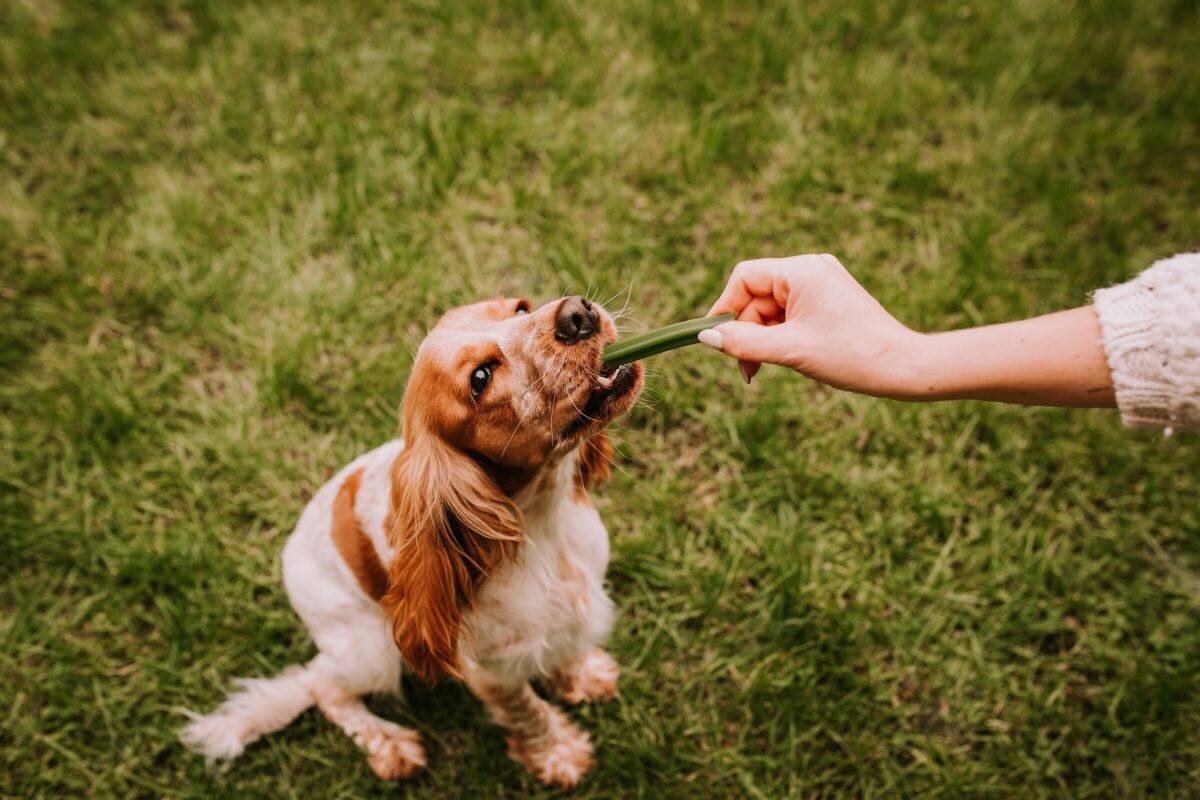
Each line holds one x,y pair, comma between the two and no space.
522,308
480,378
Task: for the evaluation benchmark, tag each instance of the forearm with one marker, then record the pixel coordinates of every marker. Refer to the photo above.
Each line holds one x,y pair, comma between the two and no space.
1054,360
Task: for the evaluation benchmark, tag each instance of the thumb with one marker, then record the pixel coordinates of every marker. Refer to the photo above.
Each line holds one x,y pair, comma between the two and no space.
746,341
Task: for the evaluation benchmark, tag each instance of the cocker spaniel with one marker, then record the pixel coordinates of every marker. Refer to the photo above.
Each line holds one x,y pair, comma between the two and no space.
468,549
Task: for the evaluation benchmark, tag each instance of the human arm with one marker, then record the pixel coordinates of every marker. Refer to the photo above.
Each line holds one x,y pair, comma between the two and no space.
1137,346
1052,360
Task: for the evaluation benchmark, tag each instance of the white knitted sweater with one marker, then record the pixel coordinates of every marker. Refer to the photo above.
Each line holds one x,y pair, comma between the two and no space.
1151,330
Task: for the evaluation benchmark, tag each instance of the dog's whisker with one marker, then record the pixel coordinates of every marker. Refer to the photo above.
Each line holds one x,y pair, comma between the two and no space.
627,303
612,462
500,284
511,436
613,297
582,413
521,418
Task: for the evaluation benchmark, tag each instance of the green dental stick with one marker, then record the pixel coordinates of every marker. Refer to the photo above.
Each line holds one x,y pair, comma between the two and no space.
659,340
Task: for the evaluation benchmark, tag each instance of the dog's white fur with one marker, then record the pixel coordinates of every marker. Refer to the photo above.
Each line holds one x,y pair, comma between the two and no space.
541,614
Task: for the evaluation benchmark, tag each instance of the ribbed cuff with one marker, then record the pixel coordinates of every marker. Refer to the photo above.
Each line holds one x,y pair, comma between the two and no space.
1139,320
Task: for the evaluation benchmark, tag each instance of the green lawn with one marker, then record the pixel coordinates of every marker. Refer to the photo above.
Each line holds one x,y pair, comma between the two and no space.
225,226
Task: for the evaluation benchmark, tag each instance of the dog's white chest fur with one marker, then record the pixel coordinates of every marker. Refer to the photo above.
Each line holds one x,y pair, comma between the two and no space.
550,603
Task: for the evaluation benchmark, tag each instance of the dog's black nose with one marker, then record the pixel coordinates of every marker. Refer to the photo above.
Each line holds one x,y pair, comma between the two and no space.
576,320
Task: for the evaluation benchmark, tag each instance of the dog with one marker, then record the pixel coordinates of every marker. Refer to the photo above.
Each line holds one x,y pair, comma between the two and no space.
470,548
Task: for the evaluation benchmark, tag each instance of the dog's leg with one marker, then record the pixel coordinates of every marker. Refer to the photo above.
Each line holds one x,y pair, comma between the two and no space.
393,751
592,678
260,706
540,737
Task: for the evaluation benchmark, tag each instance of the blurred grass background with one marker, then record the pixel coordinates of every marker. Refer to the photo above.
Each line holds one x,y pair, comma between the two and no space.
224,227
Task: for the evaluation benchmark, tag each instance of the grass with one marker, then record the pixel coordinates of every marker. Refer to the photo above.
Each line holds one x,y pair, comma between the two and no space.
225,226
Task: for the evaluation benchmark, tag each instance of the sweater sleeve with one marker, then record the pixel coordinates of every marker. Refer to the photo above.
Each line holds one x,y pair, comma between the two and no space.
1151,335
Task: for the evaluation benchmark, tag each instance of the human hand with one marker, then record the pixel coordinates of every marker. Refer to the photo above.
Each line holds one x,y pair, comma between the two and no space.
808,313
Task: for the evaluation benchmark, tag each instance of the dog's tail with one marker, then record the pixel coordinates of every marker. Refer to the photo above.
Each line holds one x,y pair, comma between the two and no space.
260,706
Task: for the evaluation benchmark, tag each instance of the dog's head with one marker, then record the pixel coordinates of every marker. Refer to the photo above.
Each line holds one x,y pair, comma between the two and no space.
499,395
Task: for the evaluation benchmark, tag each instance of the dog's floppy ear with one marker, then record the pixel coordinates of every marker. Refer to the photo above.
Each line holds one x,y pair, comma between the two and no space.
451,526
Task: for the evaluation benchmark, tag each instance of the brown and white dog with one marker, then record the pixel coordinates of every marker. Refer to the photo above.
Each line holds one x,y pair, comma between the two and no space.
470,548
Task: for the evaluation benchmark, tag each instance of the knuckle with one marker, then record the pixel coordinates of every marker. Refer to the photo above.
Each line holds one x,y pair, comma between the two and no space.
814,264
754,263
799,265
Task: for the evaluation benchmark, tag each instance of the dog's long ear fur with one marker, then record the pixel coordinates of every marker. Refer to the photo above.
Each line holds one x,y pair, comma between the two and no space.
451,526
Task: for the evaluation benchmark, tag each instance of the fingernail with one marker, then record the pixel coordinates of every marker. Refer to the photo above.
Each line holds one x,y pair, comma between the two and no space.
710,337
745,372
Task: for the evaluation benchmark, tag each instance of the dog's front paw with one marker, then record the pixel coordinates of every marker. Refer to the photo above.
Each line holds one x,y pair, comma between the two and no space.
563,762
593,679
394,752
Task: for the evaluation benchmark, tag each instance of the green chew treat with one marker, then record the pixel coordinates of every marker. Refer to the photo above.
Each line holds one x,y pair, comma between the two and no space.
660,340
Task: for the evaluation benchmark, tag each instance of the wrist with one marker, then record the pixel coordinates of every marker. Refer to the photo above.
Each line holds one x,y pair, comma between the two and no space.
913,368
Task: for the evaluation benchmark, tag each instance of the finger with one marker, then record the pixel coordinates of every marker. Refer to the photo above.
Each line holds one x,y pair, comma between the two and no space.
760,311
735,343
749,369
777,278
745,341
748,280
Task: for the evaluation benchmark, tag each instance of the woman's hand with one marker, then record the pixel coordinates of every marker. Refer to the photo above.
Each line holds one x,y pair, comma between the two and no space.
808,313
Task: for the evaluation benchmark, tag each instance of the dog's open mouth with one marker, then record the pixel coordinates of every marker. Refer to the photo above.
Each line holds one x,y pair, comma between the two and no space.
609,386
612,381
605,377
